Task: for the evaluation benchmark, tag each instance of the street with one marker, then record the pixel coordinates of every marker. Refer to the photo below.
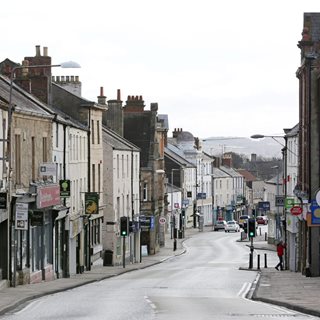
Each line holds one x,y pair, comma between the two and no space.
204,283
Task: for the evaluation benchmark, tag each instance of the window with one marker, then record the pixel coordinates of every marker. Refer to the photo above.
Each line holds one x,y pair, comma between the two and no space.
118,164
122,165
145,191
93,177
92,131
98,132
33,159
99,177
44,149
18,158
57,135
128,166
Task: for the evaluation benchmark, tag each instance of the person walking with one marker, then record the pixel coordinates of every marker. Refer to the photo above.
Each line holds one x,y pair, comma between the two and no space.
280,250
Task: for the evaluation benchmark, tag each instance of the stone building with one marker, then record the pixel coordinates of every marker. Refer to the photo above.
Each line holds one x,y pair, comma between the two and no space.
145,130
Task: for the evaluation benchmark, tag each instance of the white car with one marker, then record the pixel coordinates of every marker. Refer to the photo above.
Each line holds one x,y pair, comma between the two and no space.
232,226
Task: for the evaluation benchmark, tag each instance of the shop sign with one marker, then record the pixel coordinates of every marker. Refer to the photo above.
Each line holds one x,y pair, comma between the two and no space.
92,202
76,227
21,220
315,213
48,196
296,210
264,205
64,188
48,169
289,203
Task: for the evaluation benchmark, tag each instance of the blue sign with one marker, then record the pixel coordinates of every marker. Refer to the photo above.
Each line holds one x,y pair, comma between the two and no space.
201,195
264,205
315,212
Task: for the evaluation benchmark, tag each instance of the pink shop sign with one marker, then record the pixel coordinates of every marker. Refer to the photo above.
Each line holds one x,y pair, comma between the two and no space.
48,196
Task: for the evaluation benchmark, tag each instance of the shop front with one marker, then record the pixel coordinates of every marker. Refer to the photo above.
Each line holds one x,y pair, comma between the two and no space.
33,255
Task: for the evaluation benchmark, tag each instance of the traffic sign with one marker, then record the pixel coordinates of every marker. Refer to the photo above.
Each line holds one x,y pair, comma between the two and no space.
296,210
289,203
279,201
162,220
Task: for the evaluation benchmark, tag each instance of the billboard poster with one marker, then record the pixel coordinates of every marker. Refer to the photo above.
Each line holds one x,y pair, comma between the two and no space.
21,221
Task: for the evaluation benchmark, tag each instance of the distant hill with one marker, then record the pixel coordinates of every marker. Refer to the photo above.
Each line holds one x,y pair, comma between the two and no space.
266,148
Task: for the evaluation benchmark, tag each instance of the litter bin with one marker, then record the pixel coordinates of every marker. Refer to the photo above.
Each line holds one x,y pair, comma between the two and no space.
107,258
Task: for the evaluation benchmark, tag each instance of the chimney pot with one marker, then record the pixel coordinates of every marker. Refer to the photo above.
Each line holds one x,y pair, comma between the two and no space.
72,78
101,92
67,79
118,95
77,78
45,51
38,51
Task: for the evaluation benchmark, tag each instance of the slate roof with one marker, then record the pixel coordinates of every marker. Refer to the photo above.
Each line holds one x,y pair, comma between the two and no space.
117,142
217,173
21,100
247,175
178,158
27,103
233,173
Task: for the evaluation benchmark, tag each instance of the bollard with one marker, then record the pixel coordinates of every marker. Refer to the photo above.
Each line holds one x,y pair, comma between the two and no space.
265,260
250,260
260,231
174,244
258,260
265,236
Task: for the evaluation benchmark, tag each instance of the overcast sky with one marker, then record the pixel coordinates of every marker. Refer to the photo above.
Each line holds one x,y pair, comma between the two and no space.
217,68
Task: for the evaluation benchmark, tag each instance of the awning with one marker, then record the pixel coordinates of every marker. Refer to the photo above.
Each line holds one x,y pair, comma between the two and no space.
62,211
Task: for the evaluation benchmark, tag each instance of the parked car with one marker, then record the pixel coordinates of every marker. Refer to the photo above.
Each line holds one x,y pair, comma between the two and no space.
232,226
219,225
262,220
242,220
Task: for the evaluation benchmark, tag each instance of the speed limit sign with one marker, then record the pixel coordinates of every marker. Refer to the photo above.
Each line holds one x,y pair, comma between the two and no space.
162,220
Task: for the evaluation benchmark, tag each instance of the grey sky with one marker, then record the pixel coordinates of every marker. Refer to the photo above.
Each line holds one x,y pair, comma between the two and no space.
217,68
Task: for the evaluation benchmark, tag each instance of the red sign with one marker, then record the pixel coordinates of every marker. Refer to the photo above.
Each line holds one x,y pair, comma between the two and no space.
48,196
296,210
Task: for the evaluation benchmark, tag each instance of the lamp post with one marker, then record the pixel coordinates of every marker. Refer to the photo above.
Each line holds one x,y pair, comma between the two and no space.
285,150
12,241
278,233
173,218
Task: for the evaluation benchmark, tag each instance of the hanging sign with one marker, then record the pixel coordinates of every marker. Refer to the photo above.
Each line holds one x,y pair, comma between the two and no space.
21,221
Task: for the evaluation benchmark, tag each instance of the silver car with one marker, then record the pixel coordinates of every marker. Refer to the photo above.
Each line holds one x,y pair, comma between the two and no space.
232,226
219,225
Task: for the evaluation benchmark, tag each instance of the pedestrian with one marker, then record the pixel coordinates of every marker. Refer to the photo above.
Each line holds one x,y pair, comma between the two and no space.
280,250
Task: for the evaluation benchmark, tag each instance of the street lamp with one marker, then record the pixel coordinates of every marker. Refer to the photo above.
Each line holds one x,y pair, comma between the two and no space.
12,233
278,214
173,218
285,150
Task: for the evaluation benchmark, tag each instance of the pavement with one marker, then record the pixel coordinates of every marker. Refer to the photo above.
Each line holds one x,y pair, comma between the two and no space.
284,288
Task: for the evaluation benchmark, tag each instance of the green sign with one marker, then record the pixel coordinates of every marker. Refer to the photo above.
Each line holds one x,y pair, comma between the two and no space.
64,188
289,203
92,202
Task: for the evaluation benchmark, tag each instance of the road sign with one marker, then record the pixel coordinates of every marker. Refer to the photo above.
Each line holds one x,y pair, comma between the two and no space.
296,210
162,220
289,203
279,201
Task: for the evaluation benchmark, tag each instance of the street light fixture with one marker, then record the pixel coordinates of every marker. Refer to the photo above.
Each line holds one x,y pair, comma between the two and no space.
68,64
173,218
285,150
278,233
